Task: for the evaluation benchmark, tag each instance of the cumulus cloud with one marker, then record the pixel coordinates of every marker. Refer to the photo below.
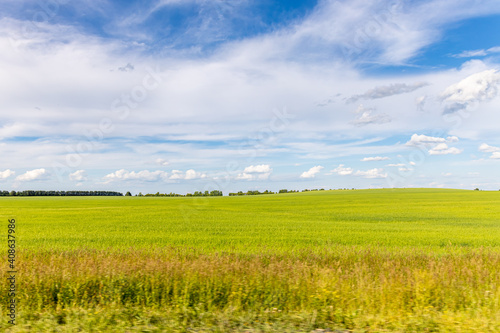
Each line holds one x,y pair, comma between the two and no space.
475,88
6,174
312,172
255,172
263,168
397,165
188,175
443,149
37,174
436,145
386,91
373,173
79,176
485,148
342,170
417,140
377,158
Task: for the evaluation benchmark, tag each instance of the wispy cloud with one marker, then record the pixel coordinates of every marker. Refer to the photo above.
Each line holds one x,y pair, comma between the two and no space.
368,116
478,53
373,173
144,175
376,158
386,91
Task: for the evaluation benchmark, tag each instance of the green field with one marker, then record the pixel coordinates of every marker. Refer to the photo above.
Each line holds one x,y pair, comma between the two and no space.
418,260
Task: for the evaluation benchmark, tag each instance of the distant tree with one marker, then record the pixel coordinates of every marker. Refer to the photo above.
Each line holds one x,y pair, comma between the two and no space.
128,194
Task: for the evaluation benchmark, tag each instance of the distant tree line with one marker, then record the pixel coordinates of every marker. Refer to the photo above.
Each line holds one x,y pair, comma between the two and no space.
30,193
250,193
270,192
214,193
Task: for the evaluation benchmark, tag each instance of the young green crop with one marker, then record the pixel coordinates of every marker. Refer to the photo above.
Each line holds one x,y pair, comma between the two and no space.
283,222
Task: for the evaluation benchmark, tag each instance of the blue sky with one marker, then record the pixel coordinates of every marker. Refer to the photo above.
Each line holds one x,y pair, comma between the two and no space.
189,95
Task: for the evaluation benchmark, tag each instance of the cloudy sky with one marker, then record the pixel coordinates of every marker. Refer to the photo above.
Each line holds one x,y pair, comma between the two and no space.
189,95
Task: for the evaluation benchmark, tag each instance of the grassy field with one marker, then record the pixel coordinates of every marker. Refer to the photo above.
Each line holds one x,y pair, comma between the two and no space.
417,260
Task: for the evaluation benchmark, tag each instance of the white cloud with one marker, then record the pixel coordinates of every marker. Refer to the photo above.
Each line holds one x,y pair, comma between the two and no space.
377,158
368,118
80,175
443,149
477,87
436,145
386,91
417,140
263,168
312,172
153,176
255,172
6,174
343,171
37,174
478,53
144,175
373,173
162,162
396,165
188,175
472,53
485,148
192,174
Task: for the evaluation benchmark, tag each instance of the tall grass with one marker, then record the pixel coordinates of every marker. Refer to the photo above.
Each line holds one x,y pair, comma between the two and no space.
369,289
